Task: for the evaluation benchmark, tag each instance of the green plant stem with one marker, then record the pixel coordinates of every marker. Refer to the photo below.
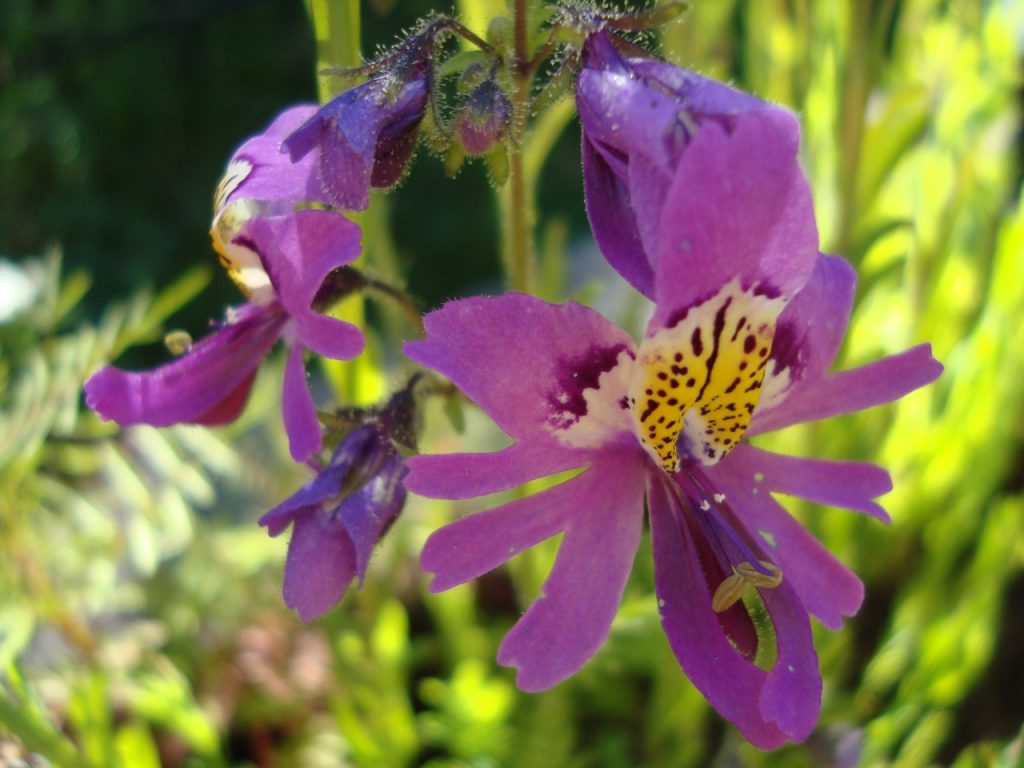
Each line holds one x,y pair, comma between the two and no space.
336,26
518,207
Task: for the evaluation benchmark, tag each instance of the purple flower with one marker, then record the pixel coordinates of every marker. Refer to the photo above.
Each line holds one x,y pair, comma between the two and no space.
483,118
639,118
366,136
339,516
281,262
748,319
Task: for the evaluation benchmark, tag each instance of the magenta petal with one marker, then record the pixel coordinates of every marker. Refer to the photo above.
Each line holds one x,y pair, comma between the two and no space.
321,564
300,249
847,484
300,420
739,206
570,619
273,176
229,409
509,353
827,588
755,700
853,390
791,696
328,336
468,475
811,327
474,545
613,221
191,387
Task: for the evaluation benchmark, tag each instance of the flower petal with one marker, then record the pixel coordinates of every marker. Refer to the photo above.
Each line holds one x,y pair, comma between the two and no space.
468,475
191,387
739,206
300,420
811,328
260,171
750,697
847,484
613,221
852,390
529,364
827,588
322,487
321,563
368,512
299,251
476,544
570,620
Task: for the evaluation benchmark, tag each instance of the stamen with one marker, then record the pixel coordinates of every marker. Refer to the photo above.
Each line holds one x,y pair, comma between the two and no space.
178,342
704,505
745,577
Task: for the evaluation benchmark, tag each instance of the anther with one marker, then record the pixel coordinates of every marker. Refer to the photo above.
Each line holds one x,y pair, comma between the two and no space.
704,505
745,577
178,342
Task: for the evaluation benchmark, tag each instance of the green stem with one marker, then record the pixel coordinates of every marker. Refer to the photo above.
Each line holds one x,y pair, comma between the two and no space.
336,25
518,206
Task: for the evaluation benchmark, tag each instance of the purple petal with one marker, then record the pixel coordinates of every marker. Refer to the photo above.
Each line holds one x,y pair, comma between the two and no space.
345,130
835,394
231,407
300,420
702,96
193,387
827,588
753,699
321,564
273,176
299,251
319,489
623,113
508,354
811,327
368,512
476,544
468,475
847,484
570,619
613,221
739,206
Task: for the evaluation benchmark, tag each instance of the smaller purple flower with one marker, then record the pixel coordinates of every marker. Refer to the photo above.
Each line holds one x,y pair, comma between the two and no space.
281,262
366,136
639,117
339,516
483,118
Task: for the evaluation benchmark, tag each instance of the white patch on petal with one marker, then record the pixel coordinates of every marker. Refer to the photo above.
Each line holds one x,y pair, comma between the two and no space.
238,171
608,412
775,387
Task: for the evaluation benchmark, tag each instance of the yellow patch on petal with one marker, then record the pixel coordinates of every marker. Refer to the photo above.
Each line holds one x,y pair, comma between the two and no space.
702,376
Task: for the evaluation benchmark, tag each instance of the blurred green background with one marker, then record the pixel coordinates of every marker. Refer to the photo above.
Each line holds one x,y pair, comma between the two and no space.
140,617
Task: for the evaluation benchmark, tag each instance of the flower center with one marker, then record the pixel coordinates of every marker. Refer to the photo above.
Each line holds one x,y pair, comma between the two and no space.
702,374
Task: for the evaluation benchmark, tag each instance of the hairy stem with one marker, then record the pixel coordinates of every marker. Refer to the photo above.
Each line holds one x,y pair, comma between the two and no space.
518,204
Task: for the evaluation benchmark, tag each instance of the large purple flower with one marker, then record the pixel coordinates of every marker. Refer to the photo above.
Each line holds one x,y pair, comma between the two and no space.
367,135
639,117
338,518
748,319
281,262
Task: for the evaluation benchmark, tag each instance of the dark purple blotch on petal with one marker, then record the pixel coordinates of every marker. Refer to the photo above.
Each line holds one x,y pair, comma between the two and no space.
578,374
